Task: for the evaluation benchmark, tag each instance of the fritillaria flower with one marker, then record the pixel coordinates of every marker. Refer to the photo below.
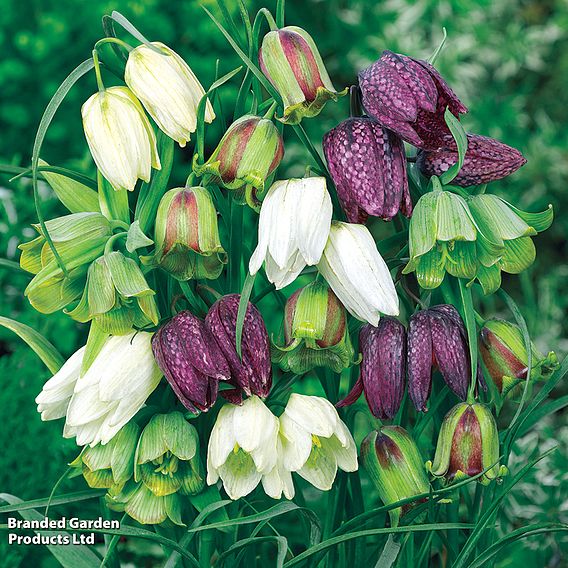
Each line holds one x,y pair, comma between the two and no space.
486,160
168,89
409,97
383,368
368,166
295,218
191,360
120,137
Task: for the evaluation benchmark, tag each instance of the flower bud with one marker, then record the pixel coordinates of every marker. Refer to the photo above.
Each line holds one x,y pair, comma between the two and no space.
468,444
116,296
168,89
383,368
395,466
486,160
505,357
252,372
315,332
120,137
409,97
187,235
291,61
248,153
368,166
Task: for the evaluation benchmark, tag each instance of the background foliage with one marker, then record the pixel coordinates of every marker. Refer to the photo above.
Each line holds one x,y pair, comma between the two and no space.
507,60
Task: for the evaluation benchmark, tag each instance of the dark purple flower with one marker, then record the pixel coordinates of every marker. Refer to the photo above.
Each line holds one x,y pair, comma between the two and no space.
253,372
383,368
486,160
409,97
191,361
437,337
368,166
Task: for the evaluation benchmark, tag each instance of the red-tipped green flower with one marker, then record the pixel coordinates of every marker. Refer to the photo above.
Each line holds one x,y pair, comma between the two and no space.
505,356
383,368
315,332
395,466
437,338
191,361
251,372
486,160
409,97
291,61
368,166
468,444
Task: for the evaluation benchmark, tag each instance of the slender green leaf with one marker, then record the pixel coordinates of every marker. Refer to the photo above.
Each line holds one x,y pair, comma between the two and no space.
281,543
12,265
113,203
549,408
437,51
109,31
19,172
469,316
460,137
131,29
241,312
53,502
280,10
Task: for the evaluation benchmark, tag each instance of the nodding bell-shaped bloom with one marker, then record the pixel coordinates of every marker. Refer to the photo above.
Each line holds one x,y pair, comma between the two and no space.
120,137
187,235
368,166
486,160
168,89
468,444
315,441
383,368
357,273
116,296
437,338
291,61
294,224
113,389
248,153
191,361
243,450
409,97
395,466
315,332
504,241
505,356
79,239
250,372
442,239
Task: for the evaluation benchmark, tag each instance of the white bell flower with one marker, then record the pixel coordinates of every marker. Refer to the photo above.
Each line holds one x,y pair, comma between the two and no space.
243,450
315,441
357,273
293,228
168,89
120,137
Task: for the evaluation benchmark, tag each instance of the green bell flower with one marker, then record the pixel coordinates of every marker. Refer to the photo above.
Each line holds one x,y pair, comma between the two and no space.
79,239
442,239
111,465
468,444
393,461
187,235
505,356
116,296
504,241
315,332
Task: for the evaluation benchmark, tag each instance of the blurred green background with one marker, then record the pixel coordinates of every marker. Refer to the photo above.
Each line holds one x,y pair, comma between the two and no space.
506,59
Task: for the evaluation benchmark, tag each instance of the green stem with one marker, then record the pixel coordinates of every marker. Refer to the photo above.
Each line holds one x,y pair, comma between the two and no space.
101,42
271,110
269,18
110,243
100,83
116,224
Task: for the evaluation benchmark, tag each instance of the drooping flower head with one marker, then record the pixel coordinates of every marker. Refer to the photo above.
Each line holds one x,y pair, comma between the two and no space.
191,360
368,166
291,61
168,89
120,137
383,368
409,97
293,228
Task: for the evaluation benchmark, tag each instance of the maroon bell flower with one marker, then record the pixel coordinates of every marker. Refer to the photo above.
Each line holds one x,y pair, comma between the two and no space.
383,368
191,361
253,371
368,166
486,160
437,338
409,97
